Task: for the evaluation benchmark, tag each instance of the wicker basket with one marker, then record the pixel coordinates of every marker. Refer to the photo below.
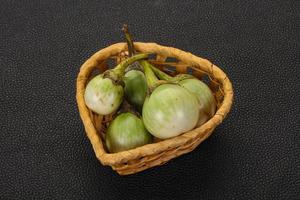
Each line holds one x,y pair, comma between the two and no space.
158,153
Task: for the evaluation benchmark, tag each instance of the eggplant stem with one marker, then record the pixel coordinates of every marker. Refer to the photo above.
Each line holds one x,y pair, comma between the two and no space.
160,74
120,68
150,76
129,40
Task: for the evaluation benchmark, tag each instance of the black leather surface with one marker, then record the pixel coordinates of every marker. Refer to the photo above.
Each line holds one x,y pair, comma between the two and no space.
254,154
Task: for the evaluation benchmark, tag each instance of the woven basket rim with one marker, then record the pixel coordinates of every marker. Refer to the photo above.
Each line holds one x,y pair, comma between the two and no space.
153,148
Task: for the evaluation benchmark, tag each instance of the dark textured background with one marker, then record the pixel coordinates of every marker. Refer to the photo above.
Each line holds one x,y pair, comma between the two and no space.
254,154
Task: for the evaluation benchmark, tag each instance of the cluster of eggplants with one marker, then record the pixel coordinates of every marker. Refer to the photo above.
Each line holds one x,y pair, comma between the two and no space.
104,93
167,106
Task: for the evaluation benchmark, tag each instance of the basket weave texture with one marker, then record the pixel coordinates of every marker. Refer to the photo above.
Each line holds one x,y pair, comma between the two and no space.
158,153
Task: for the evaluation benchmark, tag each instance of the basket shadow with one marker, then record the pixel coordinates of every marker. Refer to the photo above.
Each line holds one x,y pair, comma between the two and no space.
199,170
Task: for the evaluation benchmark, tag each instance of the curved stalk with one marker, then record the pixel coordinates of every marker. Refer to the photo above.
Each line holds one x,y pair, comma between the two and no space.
120,68
150,76
162,75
